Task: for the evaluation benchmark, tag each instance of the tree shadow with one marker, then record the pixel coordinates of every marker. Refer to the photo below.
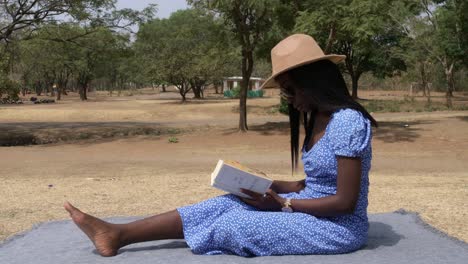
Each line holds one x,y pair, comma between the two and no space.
194,101
266,129
462,118
73,125
381,234
268,109
392,132
39,133
461,98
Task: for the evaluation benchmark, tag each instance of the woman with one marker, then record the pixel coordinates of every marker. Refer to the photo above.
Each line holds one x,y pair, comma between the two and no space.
326,213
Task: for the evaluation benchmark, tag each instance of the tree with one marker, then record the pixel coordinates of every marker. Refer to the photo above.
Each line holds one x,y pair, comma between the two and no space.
188,50
22,19
447,45
438,32
249,20
45,63
362,30
53,57
163,54
27,15
461,11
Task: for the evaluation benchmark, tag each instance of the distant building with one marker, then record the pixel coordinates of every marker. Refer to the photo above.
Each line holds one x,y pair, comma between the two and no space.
230,83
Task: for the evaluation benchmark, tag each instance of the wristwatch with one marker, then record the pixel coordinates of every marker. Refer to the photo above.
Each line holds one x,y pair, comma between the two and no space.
287,206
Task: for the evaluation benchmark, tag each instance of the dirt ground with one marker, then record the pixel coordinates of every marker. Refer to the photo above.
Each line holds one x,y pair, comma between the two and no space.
419,164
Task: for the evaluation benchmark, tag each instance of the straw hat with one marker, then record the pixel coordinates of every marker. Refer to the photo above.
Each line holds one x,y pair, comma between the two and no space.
295,51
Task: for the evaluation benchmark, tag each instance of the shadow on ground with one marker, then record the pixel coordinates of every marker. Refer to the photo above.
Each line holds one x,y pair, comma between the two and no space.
38,133
170,245
268,110
381,234
392,132
193,101
266,129
462,118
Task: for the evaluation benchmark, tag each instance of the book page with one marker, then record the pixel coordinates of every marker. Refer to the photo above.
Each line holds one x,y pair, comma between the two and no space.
241,167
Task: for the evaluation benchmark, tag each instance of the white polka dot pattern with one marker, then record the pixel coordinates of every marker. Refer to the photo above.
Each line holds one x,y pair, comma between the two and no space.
226,225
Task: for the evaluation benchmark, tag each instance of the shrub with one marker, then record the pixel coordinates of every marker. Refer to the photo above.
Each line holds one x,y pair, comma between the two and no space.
9,88
235,93
173,140
283,107
255,94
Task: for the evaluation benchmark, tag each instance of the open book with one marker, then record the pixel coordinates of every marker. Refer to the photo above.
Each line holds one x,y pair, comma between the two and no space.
230,176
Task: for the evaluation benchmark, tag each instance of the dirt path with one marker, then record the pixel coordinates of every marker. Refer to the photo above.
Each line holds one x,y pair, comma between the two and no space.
420,163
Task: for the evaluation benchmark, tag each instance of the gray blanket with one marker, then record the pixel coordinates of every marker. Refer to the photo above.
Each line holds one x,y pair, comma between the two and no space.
398,237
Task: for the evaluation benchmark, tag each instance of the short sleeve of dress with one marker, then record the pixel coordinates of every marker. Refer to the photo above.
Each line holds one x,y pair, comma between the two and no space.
349,133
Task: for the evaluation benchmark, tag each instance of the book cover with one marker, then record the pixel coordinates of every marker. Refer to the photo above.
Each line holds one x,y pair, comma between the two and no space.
231,176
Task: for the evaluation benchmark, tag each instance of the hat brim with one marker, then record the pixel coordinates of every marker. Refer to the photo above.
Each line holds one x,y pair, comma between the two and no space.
271,83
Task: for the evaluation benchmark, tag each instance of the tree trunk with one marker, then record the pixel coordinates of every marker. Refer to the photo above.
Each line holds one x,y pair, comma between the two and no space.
450,85
422,71
61,83
355,84
163,88
65,83
182,92
196,91
247,67
450,81
331,39
83,82
38,88
184,88
83,91
216,88
448,67
202,91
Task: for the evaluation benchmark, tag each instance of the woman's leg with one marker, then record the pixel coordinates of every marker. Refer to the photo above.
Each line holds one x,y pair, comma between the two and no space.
108,237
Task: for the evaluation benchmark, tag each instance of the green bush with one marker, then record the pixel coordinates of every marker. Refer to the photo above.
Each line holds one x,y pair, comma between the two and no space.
9,88
255,94
235,93
173,140
283,107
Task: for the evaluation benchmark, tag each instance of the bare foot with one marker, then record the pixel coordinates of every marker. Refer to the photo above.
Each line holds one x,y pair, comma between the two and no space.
105,236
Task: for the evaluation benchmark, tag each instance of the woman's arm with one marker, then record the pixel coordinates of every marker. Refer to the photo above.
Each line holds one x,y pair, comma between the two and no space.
288,186
347,193
343,202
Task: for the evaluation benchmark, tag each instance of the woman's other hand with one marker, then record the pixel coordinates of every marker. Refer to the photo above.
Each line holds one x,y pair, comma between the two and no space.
271,201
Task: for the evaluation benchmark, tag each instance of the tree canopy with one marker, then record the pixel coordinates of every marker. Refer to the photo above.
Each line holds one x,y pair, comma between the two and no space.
88,44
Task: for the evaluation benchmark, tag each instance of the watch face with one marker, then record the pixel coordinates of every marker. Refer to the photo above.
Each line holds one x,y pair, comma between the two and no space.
287,209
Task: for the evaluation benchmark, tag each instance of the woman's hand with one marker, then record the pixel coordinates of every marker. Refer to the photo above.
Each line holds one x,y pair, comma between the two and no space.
271,201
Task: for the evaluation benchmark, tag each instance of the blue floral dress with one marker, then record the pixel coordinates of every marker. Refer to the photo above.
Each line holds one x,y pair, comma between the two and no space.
226,225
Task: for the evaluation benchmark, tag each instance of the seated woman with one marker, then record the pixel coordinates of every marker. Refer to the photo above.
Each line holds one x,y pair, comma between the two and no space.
326,213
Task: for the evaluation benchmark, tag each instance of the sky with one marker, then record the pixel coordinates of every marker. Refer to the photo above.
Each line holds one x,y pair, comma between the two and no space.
165,7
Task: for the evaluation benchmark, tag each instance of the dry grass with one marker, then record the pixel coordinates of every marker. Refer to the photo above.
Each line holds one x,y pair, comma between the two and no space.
439,199
420,168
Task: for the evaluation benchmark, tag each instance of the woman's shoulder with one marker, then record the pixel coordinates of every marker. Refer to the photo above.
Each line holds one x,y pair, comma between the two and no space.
348,118
350,132
348,114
